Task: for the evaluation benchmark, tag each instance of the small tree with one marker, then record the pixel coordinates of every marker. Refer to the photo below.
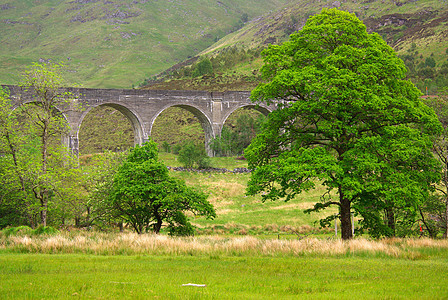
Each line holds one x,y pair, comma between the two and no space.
193,154
235,138
146,196
43,82
14,196
204,67
98,183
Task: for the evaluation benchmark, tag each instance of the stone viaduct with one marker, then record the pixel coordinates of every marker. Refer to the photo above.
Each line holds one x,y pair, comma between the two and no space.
142,107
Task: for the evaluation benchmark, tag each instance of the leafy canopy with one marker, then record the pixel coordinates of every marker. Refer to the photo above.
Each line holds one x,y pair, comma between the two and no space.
145,196
347,118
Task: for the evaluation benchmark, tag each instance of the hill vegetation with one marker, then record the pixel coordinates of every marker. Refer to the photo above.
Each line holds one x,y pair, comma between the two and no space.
417,31
115,43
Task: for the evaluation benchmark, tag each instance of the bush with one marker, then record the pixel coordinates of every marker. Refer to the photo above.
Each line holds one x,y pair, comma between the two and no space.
26,230
192,154
20,230
166,147
45,230
204,67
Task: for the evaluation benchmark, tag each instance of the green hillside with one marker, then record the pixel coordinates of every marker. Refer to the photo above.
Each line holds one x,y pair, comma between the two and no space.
115,43
417,30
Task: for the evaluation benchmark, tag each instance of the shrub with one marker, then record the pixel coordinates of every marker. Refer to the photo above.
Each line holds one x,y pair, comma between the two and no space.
192,154
45,230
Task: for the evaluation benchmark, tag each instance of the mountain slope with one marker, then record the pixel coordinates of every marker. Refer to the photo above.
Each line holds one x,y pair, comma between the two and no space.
115,43
416,29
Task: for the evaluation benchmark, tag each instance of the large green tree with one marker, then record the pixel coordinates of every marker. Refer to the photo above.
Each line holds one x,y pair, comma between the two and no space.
437,210
347,118
146,196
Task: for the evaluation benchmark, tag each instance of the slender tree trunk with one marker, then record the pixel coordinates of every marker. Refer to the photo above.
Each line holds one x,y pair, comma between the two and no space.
345,217
431,233
44,203
42,197
44,192
446,218
159,220
44,146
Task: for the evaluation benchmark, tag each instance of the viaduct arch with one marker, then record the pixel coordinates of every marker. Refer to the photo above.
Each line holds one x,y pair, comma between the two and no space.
142,107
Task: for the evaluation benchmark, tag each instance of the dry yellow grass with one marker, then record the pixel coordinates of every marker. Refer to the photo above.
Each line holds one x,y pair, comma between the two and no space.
130,243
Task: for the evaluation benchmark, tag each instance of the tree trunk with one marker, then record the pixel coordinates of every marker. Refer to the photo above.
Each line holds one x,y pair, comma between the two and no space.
43,213
158,226
390,218
345,217
42,197
158,217
446,218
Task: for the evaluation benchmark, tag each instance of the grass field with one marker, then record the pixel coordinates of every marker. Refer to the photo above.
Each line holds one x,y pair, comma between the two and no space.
240,214
361,269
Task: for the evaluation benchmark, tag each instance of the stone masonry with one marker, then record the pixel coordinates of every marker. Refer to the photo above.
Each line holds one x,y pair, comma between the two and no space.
142,107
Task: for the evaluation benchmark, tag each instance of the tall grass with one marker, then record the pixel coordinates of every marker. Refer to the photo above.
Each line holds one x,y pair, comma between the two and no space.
150,244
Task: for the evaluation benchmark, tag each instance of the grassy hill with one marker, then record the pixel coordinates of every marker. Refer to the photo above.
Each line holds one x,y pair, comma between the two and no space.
417,30
115,43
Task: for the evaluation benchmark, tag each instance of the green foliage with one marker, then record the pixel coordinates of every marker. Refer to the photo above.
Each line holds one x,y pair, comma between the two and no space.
434,213
37,173
192,154
44,82
47,230
19,230
204,67
145,196
166,147
98,183
234,139
105,129
347,118
26,230
430,62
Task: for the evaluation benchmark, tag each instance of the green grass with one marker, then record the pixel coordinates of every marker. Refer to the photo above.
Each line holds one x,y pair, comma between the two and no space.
236,211
43,276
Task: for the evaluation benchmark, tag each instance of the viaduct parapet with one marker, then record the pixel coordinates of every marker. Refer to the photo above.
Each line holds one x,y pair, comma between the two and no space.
142,107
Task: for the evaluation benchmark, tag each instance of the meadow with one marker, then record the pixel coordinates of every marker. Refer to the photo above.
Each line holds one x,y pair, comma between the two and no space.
239,214
97,265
